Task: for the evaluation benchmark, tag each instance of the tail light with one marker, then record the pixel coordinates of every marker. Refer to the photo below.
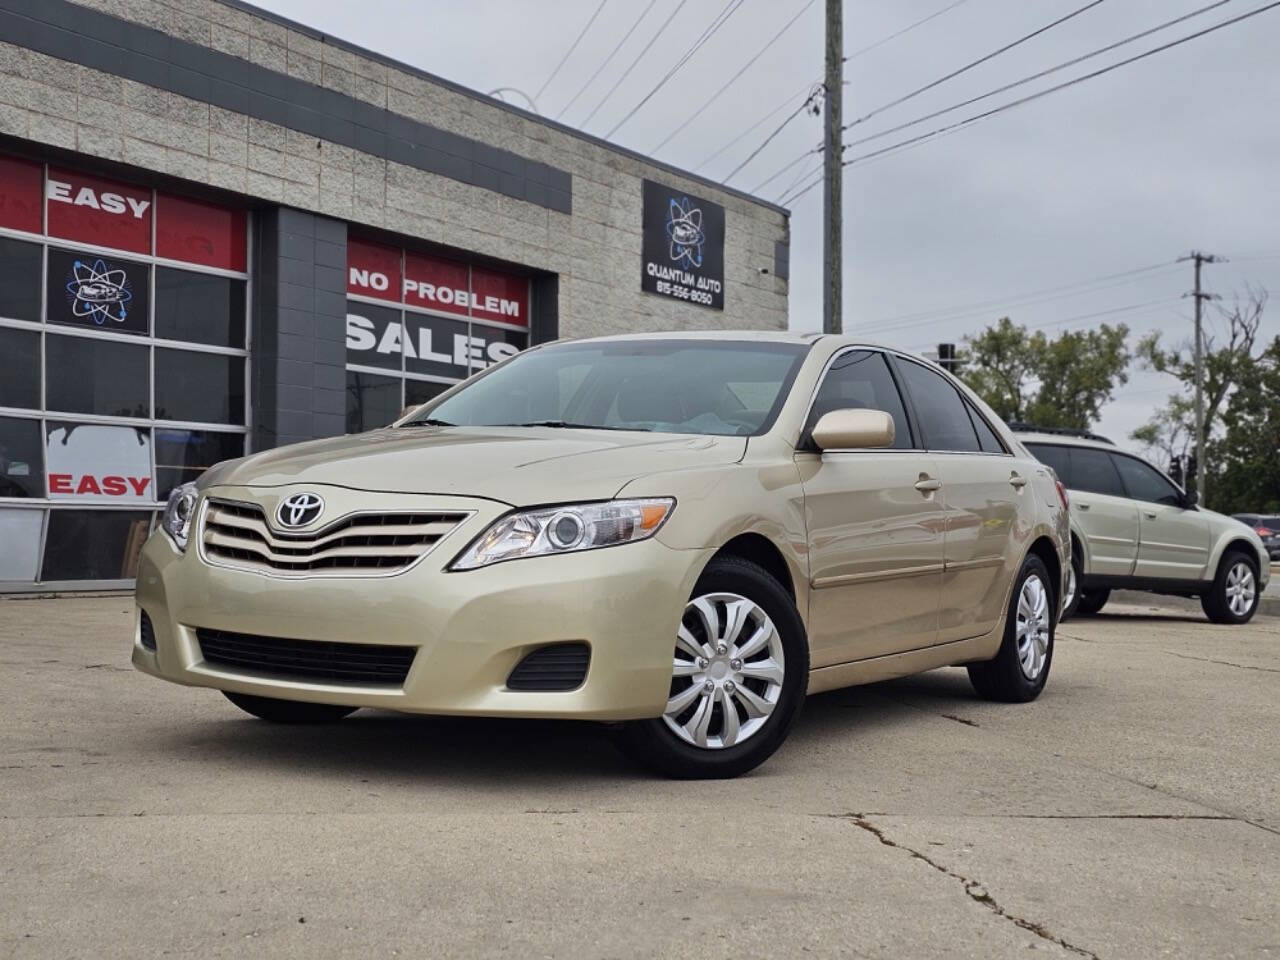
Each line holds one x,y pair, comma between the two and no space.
1264,531
1062,495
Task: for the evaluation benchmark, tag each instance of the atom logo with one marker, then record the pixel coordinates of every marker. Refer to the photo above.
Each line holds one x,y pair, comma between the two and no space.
98,292
684,227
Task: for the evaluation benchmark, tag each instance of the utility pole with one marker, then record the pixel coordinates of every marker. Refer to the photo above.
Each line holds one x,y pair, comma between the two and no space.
832,311
1199,259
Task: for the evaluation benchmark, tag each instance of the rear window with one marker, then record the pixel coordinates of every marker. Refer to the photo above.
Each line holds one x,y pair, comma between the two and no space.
1055,456
1081,468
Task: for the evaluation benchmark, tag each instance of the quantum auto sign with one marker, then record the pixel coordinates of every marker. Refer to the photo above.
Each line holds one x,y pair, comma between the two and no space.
682,248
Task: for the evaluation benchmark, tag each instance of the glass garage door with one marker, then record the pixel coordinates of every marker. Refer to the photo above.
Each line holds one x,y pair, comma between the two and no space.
123,356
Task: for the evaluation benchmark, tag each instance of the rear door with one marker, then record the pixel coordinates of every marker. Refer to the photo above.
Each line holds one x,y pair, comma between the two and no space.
1173,541
981,491
1100,506
875,526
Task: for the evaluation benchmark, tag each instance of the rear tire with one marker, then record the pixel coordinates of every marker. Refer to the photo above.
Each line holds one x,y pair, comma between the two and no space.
1091,601
288,711
1234,596
1018,672
1072,602
711,676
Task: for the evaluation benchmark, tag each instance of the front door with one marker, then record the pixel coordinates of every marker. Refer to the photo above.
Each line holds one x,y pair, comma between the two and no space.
1173,541
875,524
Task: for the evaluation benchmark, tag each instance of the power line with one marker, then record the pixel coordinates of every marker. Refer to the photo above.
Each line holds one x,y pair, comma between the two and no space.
715,96
808,102
1000,308
804,175
1036,76
1151,306
721,18
969,66
1062,86
998,302
763,120
627,72
779,172
572,47
907,29
612,53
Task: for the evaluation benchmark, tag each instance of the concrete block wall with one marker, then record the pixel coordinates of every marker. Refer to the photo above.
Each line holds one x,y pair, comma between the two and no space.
443,164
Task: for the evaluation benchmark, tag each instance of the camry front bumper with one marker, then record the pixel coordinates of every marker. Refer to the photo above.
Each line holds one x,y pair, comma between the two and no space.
467,630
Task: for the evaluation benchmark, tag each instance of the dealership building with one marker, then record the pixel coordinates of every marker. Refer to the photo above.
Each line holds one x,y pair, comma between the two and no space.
221,232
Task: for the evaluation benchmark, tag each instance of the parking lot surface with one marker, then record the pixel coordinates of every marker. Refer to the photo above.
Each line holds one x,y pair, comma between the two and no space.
1133,811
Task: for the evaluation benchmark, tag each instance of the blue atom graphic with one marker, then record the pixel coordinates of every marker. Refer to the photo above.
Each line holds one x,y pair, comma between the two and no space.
98,292
684,227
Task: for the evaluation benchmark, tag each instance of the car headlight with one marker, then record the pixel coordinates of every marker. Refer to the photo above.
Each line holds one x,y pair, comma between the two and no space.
178,513
565,529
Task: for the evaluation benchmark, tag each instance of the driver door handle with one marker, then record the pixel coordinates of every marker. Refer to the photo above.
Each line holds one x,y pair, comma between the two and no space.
928,484
1150,514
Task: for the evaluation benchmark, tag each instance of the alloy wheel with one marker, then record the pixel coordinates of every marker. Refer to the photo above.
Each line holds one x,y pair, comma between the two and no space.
727,671
1240,589
1071,588
1033,627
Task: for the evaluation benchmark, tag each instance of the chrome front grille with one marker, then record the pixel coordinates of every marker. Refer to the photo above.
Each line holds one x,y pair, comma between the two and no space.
359,544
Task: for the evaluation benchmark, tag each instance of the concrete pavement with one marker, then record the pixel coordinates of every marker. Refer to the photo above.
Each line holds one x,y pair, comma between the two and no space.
1133,811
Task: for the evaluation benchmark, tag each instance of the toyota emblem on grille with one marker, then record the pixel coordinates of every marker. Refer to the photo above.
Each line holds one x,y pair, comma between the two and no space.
299,509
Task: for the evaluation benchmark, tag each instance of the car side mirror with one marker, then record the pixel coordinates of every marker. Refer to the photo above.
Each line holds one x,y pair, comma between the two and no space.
853,429
1190,497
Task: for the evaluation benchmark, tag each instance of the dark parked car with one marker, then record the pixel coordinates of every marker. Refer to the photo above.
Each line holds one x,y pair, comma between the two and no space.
1267,526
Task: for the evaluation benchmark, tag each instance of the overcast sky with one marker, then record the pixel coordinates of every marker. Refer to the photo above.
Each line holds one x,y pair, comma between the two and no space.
1125,171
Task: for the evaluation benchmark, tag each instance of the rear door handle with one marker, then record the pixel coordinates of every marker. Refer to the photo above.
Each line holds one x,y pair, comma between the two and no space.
1150,514
1082,506
1017,481
928,484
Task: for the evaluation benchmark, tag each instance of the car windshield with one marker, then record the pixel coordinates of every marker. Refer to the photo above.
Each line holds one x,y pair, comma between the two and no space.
719,388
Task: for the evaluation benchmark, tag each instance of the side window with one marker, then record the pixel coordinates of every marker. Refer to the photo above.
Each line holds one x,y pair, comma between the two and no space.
942,413
987,438
861,378
1057,457
1145,482
1093,472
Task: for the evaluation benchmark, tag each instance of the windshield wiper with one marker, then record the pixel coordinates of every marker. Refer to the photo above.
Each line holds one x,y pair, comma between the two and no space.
428,423
569,425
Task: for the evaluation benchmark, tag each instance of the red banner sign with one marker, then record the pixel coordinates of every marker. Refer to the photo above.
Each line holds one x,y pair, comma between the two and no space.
448,286
100,212
373,270
20,200
197,232
438,284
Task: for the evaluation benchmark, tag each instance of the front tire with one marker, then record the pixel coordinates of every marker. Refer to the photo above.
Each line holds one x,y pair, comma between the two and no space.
740,669
288,711
1019,670
1234,596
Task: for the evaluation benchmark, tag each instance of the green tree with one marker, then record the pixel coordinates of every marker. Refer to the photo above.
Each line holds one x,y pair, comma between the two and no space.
1228,361
1246,460
1062,382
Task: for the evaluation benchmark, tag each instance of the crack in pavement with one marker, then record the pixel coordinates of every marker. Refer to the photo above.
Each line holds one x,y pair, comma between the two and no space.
972,888
1225,663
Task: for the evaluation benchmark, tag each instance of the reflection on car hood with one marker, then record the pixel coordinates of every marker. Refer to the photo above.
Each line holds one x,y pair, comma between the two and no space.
520,466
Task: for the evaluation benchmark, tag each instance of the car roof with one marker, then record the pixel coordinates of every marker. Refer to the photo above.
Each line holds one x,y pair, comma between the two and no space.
758,336
1066,440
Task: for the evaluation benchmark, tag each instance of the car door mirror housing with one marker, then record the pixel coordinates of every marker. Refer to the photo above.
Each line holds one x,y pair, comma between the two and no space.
1190,497
853,429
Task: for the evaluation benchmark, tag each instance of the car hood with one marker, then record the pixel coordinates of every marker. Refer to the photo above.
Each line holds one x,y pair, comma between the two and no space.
520,466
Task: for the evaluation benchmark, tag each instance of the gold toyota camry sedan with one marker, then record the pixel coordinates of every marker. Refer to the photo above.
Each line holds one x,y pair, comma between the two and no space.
682,534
